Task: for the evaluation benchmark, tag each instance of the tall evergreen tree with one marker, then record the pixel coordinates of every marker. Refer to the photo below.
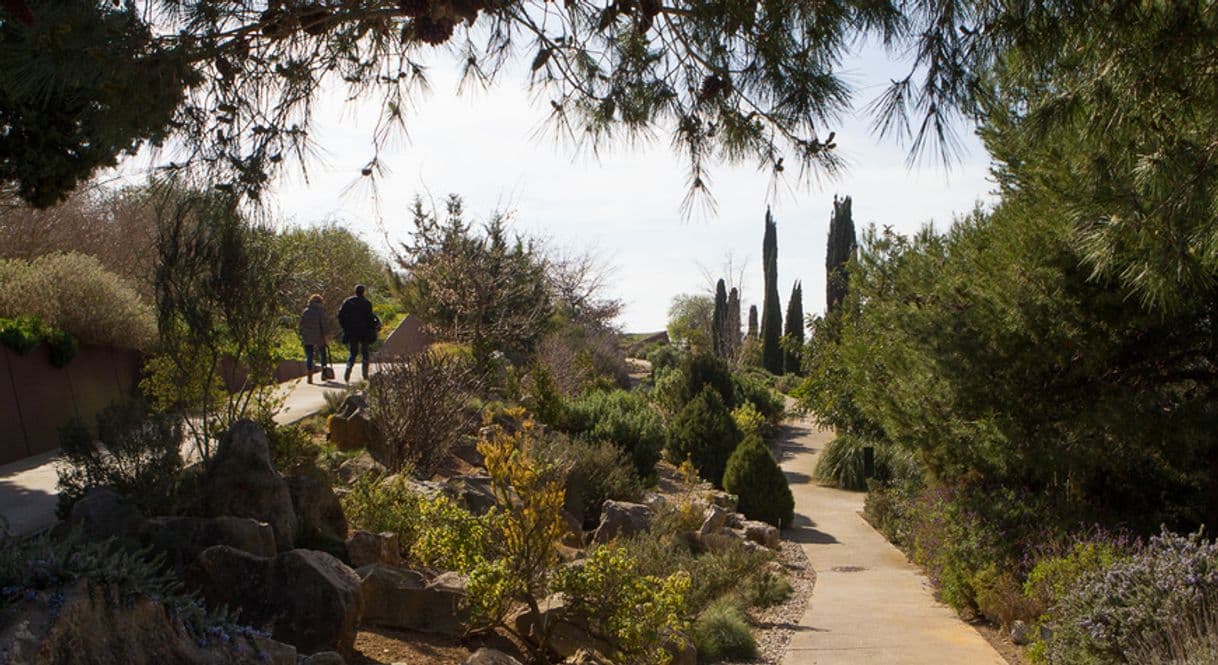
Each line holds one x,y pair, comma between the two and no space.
719,343
794,331
733,323
752,322
842,245
771,310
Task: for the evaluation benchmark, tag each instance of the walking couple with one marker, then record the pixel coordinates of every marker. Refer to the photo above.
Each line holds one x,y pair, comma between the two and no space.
360,327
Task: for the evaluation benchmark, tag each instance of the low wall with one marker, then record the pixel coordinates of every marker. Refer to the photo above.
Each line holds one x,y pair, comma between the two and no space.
37,398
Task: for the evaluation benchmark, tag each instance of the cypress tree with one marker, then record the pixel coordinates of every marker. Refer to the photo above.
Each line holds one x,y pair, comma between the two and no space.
719,321
794,330
840,250
752,321
733,323
771,308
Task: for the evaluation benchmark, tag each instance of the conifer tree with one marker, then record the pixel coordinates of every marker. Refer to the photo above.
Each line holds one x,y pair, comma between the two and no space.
719,343
841,248
733,323
794,332
752,322
771,310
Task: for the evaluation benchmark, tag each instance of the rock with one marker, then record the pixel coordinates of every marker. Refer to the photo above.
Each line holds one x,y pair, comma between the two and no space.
485,656
619,518
682,650
713,519
1020,633
720,540
80,627
566,638
734,521
574,537
762,534
655,501
1046,633
467,451
183,539
323,658
353,403
104,513
587,657
403,599
319,515
722,499
365,548
307,598
240,482
354,431
474,493
359,466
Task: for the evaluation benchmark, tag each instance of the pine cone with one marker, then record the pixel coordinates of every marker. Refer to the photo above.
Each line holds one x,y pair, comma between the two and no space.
712,86
415,8
430,31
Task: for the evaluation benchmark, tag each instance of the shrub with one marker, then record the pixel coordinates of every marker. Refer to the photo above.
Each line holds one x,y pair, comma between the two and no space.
135,452
765,589
1000,598
418,404
75,294
749,419
890,508
722,632
1113,613
595,471
755,392
699,370
377,505
23,333
1053,577
624,418
580,358
542,396
291,446
842,462
754,476
704,432
663,356
1192,641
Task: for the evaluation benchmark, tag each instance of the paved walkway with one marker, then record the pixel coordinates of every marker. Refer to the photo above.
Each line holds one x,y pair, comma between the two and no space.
27,487
869,605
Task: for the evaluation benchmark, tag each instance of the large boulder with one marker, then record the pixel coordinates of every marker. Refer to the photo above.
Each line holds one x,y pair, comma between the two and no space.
319,515
241,482
183,539
406,600
365,548
359,466
474,493
713,518
621,518
567,638
306,598
81,627
354,431
485,656
104,513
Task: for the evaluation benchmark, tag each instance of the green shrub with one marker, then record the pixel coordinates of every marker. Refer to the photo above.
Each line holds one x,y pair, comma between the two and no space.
21,334
754,476
663,356
721,632
378,505
75,294
749,419
699,370
1054,576
621,417
890,508
751,390
595,471
291,446
765,589
704,433
714,574
543,397
135,452
842,465
62,347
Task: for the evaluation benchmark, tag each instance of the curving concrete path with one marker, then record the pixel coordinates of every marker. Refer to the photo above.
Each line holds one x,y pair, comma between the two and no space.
870,605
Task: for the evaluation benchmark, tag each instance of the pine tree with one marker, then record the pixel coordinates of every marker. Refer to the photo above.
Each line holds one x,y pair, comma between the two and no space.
842,245
752,322
719,343
771,311
733,323
794,332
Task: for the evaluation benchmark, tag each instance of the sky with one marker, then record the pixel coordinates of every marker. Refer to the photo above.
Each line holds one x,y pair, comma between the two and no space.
624,205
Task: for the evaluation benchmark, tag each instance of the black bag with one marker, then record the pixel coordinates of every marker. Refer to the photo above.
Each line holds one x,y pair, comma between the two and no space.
327,372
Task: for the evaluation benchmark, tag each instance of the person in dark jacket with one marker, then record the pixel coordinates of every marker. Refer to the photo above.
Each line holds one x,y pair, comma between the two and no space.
360,327
314,333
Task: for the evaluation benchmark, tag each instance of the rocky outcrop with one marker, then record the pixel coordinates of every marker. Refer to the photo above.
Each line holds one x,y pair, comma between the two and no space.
104,513
319,515
713,519
620,518
485,656
80,627
474,493
241,482
406,600
566,637
359,466
763,534
306,598
365,548
183,539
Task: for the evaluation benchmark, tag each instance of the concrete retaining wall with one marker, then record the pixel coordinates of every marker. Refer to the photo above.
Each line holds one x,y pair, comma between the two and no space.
37,398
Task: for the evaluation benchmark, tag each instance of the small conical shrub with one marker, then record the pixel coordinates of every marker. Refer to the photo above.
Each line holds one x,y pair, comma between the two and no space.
704,433
754,477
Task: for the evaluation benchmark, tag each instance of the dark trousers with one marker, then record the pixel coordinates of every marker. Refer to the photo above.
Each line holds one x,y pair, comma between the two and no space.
360,348
323,356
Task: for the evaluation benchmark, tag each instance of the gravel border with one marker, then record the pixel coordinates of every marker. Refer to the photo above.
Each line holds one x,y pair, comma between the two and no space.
776,625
